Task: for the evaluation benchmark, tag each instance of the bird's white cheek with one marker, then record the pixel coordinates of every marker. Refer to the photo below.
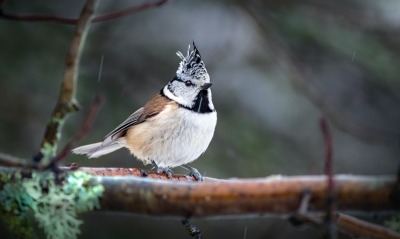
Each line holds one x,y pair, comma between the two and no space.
181,99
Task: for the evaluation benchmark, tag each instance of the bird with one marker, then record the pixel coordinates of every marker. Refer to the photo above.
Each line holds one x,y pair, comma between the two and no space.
174,128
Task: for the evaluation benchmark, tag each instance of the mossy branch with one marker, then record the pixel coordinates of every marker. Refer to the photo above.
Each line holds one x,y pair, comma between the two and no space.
127,191
66,102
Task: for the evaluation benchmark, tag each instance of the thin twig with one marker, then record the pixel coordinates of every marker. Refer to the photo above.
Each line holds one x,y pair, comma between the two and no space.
85,127
362,229
100,68
12,161
66,102
192,230
128,11
347,224
331,197
302,216
72,21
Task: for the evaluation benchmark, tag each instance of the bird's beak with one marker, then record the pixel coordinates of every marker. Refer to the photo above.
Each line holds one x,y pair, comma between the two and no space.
206,86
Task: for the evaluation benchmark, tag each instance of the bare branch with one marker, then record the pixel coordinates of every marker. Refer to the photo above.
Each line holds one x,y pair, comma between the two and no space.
128,11
66,102
331,194
241,197
72,21
94,108
182,197
258,196
12,161
302,216
137,173
347,224
304,82
35,18
362,229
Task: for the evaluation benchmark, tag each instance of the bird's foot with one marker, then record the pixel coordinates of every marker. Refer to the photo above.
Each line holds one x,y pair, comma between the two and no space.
193,172
143,173
162,170
166,171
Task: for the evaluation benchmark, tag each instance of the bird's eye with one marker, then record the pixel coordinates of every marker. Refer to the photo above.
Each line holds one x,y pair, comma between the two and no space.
188,83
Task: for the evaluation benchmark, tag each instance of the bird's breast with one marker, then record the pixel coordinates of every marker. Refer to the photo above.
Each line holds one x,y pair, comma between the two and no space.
174,137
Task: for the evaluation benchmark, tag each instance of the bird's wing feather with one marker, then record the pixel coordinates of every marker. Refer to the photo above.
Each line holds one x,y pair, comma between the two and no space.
151,109
133,119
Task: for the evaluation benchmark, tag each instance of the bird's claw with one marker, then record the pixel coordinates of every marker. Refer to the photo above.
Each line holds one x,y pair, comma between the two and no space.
166,171
194,173
161,170
143,173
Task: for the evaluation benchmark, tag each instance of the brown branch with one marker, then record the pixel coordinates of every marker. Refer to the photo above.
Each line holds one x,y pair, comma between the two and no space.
66,102
85,127
128,11
72,21
137,173
126,191
272,195
240,197
14,162
347,224
362,229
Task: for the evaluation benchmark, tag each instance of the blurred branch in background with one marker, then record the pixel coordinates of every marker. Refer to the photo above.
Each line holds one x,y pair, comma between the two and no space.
330,230
347,224
359,228
14,162
65,20
367,21
294,62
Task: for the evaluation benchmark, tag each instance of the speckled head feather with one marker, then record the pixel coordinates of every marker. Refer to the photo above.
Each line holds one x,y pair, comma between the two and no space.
192,67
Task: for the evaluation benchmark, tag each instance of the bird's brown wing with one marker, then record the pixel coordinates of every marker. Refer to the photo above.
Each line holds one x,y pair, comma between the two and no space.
151,109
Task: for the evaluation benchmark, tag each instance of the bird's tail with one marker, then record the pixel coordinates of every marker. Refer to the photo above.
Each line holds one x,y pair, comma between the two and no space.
97,149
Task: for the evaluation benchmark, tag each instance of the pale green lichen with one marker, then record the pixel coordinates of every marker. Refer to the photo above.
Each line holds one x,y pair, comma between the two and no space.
48,151
57,120
55,206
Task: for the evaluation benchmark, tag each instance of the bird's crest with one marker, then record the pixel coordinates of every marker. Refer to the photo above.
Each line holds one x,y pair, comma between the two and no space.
192,67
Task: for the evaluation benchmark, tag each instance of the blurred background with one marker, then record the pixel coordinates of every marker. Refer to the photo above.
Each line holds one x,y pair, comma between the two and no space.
276,68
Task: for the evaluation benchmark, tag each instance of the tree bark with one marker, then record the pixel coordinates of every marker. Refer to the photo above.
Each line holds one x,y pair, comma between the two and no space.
271,195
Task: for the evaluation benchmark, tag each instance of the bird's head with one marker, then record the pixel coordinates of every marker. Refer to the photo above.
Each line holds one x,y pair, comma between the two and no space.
191,79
